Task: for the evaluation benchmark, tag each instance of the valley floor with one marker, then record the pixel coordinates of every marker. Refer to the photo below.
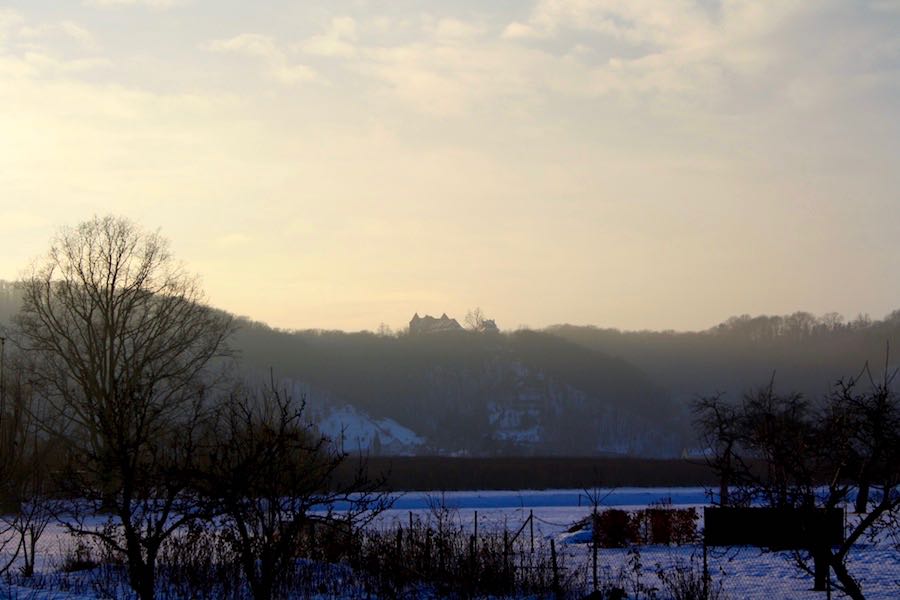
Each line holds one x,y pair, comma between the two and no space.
736,572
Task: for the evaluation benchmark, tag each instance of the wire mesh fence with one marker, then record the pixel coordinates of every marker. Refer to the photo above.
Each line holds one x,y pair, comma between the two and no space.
660,572
492,553
579,563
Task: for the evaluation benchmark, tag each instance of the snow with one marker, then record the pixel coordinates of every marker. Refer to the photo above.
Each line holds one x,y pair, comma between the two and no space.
352,428
356,430
744,572
574,500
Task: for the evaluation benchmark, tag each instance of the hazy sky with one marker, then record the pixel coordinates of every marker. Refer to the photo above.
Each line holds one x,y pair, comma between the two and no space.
631,163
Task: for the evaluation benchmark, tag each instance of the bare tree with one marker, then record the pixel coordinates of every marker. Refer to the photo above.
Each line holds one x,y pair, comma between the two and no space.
121,338
475,319
717,422
22,468
28,459
783,451
870,410
270,479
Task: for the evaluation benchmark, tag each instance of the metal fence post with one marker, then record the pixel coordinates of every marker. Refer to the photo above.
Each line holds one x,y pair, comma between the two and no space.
705,572
531,526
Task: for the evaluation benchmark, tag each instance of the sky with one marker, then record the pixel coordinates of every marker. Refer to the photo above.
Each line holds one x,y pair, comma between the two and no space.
625,163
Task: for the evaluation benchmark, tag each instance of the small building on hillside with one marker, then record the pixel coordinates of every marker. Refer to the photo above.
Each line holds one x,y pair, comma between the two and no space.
428,324
489,326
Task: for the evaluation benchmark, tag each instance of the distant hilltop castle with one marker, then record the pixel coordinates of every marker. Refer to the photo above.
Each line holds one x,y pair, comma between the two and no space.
428,324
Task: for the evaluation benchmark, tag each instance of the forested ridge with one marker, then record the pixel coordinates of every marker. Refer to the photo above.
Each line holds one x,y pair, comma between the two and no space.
567,389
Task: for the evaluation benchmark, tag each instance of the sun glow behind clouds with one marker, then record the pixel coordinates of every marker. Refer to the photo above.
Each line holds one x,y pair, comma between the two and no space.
638,164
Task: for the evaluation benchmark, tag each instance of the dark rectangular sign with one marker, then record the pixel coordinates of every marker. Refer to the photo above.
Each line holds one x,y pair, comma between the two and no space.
773,528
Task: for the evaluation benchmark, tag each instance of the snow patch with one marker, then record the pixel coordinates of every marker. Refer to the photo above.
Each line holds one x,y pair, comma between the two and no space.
355,430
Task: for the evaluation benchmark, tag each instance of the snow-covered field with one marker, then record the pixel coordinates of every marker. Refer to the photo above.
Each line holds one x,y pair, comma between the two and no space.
743,572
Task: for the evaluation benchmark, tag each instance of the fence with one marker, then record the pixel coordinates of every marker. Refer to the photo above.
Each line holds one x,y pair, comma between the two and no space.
654,560
639,566
503,553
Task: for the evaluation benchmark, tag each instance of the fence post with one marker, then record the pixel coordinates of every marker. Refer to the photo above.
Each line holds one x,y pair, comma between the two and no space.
506,549
440,541
410,520
476,524
595,535
471,580
531,527
705,572
555,567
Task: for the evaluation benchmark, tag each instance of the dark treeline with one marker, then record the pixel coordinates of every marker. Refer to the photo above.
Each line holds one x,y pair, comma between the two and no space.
804,352
442,473
450,388
589,390
566,390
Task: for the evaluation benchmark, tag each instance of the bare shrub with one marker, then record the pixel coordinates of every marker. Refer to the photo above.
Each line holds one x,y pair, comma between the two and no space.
267,477
685,581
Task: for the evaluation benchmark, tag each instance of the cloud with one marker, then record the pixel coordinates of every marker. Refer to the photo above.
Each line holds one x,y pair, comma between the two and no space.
518,31
264,48
157,4
251,44
68,29
30,48
448,28
633,21
579,115
337,41
9,20
46,63
681,56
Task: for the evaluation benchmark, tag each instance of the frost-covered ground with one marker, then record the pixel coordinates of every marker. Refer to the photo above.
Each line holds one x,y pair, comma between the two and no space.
743,572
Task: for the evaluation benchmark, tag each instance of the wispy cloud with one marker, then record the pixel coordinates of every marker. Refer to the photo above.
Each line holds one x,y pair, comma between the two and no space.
29,48
275,60
482,139
338,40
9,19
68,29
679,52
157,4
450,28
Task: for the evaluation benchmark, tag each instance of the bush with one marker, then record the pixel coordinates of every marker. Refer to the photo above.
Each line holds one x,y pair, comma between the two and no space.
80,557
615,528
684,581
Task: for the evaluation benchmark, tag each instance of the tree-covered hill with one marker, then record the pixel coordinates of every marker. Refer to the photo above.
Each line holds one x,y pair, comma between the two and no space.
577,390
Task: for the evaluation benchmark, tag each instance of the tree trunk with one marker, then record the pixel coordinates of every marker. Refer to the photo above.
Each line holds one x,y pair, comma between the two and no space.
147,591
862,497
851,588
141,578
820,569
725,481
